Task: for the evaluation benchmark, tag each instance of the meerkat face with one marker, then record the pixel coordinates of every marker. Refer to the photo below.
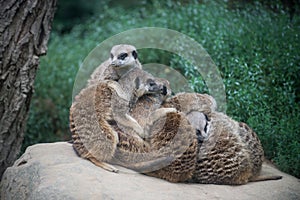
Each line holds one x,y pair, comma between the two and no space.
159,86
200,122
152,86
123,56
164,86
148,86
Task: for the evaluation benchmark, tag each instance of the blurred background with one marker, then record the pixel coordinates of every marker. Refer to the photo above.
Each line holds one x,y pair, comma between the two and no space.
254,43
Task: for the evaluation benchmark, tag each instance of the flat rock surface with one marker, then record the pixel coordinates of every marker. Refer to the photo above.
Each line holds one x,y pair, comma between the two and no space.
54,171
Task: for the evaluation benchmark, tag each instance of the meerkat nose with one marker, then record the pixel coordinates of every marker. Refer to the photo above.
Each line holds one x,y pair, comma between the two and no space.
114,63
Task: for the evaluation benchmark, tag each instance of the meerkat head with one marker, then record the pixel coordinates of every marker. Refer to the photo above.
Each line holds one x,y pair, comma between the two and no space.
164,86
200,122
152,86
123,56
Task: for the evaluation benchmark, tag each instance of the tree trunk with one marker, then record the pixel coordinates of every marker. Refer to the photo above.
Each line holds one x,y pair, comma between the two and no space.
24,32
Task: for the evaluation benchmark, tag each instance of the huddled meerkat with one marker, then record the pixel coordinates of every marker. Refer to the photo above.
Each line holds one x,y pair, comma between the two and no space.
100,107
111,101
123,57
88,137
169,135
231,154
187,104
143,155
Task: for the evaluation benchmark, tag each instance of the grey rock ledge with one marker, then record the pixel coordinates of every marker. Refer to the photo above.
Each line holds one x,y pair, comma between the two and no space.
54,171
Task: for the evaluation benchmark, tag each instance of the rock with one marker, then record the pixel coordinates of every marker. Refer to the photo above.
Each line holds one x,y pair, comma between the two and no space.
54,171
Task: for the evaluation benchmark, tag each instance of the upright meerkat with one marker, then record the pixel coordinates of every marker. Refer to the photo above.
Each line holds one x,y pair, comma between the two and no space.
123,57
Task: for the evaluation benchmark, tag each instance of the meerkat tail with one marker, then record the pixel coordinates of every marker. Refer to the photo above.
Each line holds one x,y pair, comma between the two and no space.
103,165
151,165
265,178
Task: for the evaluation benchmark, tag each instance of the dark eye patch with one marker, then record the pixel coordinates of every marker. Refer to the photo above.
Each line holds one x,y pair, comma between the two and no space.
164,90
122,56
151,82
111,56
134,54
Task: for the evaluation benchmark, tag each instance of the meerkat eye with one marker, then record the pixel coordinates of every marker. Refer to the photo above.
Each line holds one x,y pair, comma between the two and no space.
151,82
134,54
122,56
111,56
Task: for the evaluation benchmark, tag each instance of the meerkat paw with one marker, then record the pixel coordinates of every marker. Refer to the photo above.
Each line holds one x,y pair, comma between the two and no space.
161,112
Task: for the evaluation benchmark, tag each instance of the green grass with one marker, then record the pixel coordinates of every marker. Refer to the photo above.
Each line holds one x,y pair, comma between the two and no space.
256,51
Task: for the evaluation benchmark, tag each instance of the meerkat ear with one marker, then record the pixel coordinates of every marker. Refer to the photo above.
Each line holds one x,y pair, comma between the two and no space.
135,55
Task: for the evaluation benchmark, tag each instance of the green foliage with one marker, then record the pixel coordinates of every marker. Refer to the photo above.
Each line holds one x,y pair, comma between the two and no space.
256,50
71,12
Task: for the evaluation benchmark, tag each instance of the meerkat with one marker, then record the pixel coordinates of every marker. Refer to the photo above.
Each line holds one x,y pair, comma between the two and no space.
101,106
136,83
169,135
176,125
231,154
190,107
123,57
150,155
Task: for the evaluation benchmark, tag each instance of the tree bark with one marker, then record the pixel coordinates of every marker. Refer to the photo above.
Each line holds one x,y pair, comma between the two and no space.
24,32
